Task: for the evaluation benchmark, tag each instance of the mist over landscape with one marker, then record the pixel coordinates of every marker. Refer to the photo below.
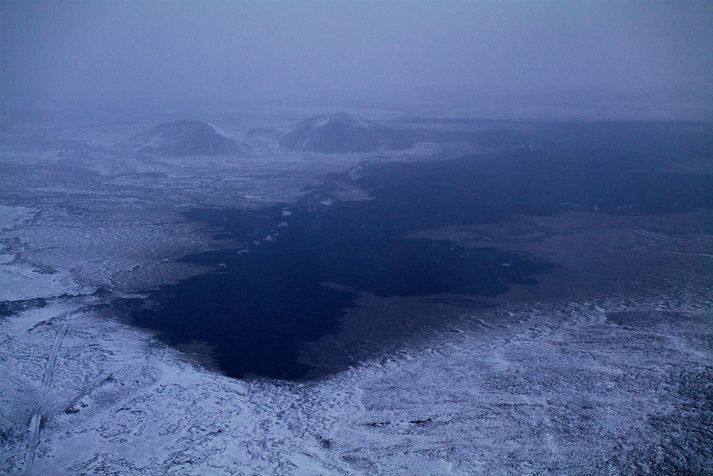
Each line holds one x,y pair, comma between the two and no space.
107,53
424,237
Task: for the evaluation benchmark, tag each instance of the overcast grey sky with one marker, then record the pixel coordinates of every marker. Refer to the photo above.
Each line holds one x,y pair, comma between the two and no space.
276,49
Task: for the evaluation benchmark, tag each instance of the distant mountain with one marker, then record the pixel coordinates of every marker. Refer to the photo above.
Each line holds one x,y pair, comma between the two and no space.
343,132
182,138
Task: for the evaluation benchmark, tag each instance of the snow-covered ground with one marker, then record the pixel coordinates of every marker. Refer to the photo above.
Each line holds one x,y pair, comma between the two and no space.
561,388
607,381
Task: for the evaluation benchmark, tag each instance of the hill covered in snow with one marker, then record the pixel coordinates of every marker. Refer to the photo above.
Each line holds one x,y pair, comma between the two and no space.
183,138
342,132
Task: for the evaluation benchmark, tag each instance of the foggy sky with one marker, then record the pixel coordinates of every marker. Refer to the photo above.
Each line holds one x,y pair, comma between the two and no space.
276,49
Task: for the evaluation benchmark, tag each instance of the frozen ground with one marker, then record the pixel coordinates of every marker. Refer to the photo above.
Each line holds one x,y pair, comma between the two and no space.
599,386
605,368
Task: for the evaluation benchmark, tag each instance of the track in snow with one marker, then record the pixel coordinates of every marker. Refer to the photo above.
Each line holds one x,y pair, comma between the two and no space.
34,436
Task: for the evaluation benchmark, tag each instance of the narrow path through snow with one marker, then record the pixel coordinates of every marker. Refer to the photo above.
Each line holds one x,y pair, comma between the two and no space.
34,435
